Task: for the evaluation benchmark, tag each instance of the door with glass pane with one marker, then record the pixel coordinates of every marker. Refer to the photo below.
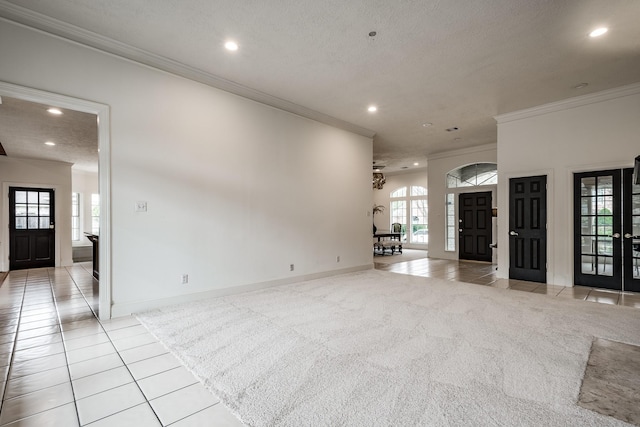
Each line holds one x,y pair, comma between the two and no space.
597,229
631,233
31,228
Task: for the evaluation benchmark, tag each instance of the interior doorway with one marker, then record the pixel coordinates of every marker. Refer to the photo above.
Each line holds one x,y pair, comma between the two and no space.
475,226
607,230
104,178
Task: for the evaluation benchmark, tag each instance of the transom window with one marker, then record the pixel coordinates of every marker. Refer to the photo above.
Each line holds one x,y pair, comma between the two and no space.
473,175
409,208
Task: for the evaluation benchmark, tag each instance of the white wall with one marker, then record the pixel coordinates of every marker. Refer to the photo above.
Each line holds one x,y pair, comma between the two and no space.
593,132
438,167
236,191
15,172
85,183
382,197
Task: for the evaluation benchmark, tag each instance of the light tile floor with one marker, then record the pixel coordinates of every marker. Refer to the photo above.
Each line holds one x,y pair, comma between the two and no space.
485,274
61,366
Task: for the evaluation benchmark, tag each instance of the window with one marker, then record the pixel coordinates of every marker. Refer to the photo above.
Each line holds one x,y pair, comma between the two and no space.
411,212
473,175
75,217
464,177
95,213
450,244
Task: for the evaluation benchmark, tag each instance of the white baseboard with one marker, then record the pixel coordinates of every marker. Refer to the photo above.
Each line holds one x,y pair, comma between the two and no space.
126,309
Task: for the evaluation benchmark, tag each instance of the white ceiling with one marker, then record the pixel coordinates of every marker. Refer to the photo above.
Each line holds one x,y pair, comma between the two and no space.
26,126
445,62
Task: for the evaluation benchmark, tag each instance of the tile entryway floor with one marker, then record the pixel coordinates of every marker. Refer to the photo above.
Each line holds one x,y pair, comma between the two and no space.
60,366
485,274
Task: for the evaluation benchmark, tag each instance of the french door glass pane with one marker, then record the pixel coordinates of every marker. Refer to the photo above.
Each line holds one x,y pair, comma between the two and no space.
21,210
32,210
588,264
605,266
32,197
588,186
605,185
44,210
21,223
44,197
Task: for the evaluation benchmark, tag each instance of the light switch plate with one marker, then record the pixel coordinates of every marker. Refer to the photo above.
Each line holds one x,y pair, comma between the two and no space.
141,206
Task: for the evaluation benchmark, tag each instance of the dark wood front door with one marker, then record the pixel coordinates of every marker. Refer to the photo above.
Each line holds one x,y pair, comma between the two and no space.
528,228
597,227
475,226
31,228
631,232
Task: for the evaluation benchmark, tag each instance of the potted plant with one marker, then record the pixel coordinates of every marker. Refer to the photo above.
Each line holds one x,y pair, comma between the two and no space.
376,209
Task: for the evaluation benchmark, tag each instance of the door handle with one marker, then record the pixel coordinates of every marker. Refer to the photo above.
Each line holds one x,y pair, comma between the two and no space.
513,233
460,230
615,235
628,235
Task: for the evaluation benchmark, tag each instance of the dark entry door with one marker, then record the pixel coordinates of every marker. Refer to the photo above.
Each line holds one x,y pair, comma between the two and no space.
475,226
631,232
597,229
528,228
31,228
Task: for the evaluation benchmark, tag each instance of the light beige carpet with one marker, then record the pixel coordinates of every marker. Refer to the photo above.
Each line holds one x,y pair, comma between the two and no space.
406,255
380,349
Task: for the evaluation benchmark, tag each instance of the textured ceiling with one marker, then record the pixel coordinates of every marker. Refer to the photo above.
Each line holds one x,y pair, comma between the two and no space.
445,62
25,127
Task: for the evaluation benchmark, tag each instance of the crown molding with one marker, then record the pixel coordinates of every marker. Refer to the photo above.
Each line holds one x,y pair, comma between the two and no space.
38,21
463,151
569,103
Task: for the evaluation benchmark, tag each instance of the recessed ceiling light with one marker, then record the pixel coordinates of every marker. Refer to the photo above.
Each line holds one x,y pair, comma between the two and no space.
231,45
50,143
453,129
372,108
427,124
581,86
55,111
416,164
598,32
372,33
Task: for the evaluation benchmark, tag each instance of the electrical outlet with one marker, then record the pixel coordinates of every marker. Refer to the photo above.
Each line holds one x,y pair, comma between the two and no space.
184,279
291,267
141,206
338,258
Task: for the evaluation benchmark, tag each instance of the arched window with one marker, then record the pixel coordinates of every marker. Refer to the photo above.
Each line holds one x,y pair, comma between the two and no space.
410,209
474,175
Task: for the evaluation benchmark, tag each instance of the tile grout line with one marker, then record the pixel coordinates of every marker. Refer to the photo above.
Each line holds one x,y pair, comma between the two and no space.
13,348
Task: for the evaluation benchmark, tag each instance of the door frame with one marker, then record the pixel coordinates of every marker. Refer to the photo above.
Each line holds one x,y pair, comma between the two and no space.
102,111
